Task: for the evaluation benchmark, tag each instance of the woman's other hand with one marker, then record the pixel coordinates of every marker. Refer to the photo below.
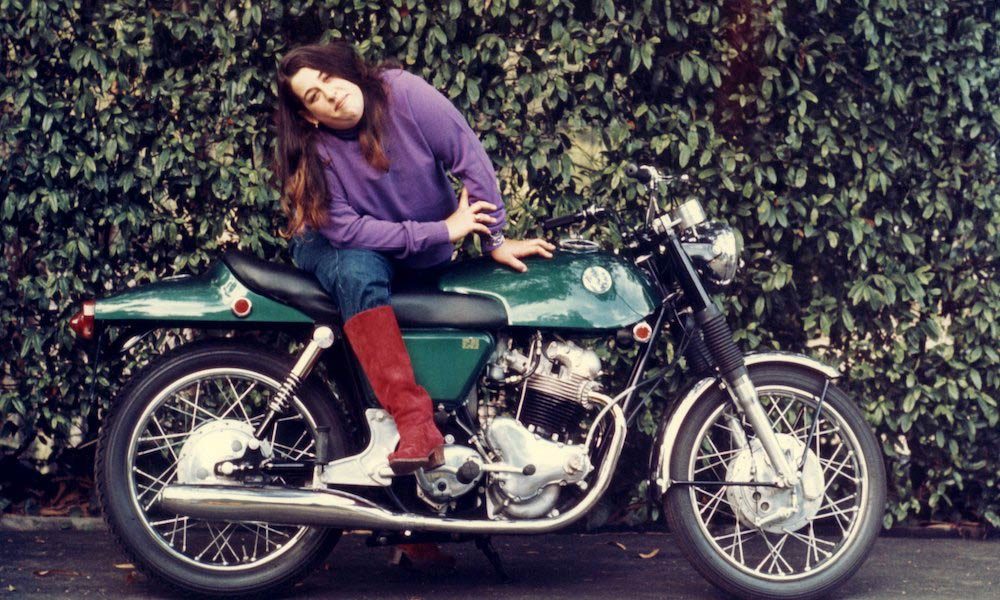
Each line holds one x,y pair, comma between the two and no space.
469,219
511,251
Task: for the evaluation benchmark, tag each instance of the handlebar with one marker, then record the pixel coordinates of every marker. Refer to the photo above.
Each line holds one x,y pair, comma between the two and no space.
562,221
584,215
646,174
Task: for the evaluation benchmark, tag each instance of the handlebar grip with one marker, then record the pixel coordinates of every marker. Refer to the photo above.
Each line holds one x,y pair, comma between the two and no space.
643,174
562,221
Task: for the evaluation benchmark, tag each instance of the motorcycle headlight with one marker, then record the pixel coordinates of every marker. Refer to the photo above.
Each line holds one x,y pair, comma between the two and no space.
715,250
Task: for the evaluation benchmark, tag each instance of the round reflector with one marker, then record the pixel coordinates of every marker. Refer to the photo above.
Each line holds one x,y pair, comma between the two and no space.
642,332
241,307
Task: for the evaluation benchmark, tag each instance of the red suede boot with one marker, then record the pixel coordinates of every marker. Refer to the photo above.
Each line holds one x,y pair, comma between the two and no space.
377,342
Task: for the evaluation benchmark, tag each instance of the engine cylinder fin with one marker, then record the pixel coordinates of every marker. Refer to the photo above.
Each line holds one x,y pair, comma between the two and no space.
572,388
551,415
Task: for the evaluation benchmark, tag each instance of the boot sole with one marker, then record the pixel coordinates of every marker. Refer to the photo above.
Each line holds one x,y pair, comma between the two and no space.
406,466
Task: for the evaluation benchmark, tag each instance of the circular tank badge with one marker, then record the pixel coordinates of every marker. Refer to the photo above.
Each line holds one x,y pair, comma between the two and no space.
597,280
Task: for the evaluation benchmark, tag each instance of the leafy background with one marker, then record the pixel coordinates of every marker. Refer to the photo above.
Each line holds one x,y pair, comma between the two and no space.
854,143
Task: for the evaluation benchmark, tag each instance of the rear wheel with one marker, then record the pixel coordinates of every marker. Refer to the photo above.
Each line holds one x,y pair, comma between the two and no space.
767,542
173,422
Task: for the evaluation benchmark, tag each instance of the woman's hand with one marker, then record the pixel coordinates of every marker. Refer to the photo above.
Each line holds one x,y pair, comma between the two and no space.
511,251
468,219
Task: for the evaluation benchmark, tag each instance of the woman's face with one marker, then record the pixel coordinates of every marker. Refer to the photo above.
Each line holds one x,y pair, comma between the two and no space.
334,102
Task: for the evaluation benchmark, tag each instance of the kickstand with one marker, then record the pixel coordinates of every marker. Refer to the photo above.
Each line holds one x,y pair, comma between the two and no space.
485,544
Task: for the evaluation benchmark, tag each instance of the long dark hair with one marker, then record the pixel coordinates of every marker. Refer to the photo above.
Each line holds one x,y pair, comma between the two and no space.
298,167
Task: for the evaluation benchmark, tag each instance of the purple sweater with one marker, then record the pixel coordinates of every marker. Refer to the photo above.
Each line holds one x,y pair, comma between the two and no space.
401,212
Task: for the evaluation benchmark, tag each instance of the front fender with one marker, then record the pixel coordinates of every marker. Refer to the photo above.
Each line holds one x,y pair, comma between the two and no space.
659,467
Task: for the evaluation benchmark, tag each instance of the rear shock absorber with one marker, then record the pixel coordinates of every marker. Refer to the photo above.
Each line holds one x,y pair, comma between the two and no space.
322,339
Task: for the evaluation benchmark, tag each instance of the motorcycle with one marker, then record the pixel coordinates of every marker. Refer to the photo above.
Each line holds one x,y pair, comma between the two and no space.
227,468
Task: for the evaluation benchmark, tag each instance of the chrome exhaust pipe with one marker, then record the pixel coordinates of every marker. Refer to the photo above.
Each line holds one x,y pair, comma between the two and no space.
280,505
333,508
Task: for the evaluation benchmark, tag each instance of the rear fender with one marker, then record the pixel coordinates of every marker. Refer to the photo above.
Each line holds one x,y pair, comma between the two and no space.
659,473
212,299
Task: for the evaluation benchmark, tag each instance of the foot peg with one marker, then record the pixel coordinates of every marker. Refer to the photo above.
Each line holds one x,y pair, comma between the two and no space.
469,471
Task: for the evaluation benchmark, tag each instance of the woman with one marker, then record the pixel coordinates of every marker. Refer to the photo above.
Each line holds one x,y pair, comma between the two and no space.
363,156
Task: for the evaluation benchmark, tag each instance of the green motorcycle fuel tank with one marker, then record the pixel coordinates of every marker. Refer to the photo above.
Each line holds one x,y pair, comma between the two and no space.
583,291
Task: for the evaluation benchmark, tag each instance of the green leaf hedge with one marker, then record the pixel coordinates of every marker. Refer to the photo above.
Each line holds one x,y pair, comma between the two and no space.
854,143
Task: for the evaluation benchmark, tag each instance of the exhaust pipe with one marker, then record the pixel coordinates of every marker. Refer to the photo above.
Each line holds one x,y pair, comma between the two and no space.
341,510
285,506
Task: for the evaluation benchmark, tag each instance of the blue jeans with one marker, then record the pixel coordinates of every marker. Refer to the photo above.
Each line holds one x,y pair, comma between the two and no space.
356,279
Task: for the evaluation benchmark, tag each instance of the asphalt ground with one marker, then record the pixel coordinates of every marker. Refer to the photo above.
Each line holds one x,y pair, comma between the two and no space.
87,564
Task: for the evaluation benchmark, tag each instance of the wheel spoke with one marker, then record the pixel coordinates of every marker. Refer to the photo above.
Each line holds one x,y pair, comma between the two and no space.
197,395
781,418
237,401
159,427
258,527
214,542
198,409
299,453
775,555
160,447
839,514
837,469
224,543
714,502
739,536
715,451
715,459
812,545
163,479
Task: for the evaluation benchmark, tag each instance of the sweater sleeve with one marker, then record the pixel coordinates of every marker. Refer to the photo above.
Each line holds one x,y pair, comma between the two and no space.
457,147
346,228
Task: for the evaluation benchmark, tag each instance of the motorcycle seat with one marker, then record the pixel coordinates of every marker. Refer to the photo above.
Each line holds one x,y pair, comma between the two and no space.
414,308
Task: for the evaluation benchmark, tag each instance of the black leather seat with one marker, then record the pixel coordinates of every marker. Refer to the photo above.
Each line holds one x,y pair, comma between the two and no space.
413,308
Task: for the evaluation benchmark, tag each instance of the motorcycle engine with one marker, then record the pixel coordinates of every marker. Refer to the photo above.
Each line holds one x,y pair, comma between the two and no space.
557,382
543,439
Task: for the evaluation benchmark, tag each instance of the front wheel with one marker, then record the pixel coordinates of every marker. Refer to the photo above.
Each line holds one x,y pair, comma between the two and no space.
172,422
769,542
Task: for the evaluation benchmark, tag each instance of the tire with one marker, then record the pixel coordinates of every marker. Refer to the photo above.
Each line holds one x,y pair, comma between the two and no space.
131,449
713,523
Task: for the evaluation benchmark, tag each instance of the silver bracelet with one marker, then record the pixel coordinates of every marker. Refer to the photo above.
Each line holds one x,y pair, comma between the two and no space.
497,239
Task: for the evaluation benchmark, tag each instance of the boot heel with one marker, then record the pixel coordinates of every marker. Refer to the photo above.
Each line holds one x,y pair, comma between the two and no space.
406,466
435,459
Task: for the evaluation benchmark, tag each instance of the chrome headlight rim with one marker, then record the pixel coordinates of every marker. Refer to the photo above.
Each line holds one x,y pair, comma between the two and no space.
714,248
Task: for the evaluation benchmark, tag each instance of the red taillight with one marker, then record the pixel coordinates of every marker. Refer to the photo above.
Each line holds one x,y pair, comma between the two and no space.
83,322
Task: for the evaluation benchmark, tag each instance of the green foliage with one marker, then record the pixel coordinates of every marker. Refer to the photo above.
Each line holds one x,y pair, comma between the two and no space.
852,142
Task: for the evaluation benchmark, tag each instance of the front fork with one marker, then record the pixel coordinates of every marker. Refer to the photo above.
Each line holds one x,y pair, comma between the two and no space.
729,360
744,394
